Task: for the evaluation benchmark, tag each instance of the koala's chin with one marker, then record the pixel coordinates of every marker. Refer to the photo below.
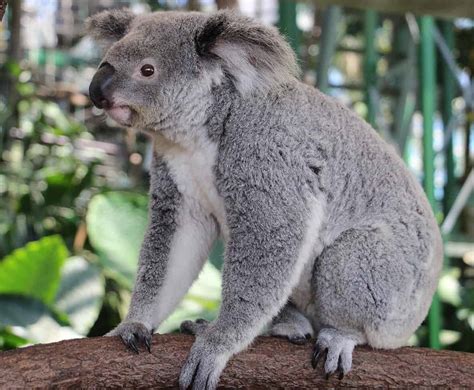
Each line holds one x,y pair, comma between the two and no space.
123,115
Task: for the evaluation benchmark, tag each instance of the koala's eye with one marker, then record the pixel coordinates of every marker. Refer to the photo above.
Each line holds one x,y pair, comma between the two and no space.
147,70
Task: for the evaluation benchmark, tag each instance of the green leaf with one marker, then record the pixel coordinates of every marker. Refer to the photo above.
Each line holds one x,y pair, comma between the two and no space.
81,293
116,223
21,311
33,320
9,340
202,300
34,270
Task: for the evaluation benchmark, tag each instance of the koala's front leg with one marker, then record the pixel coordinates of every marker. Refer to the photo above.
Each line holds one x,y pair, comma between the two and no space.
271,237
175,247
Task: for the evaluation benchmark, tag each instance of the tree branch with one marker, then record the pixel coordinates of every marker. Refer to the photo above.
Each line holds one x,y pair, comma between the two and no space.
269,363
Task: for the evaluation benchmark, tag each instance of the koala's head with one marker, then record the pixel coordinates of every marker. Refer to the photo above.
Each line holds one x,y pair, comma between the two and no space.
160,69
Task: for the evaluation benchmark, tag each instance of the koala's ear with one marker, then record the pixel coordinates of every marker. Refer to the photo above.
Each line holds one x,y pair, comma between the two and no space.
107,27
255,57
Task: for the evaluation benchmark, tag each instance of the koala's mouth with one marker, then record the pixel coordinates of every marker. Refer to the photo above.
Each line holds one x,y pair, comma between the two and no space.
120,114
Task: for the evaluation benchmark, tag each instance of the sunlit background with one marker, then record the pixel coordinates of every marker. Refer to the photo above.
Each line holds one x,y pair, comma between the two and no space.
73,204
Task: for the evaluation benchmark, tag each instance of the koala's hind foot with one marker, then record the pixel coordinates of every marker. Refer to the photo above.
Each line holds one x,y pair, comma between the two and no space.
133,334
334,348
194,327
292,324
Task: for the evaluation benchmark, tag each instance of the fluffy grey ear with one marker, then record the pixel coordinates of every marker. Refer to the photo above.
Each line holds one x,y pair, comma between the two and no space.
107,27
255,57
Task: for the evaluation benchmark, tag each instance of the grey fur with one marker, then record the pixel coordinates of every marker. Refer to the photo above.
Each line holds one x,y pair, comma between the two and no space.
292,324
109,26
163,204
194,327
313,205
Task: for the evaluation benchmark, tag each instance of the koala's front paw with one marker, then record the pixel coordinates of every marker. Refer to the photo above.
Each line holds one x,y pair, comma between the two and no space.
194,327
133,334
203,366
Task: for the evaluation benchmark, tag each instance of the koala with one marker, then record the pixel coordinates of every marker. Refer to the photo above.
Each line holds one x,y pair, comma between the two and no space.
326,233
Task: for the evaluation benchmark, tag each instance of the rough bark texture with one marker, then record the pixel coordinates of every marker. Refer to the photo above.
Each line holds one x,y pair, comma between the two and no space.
269,363
3,7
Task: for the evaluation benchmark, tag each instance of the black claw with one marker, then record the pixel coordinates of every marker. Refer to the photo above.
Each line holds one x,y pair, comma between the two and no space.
308,336
194,375
201,321
327,375
147,344
339,369
131,345
317,355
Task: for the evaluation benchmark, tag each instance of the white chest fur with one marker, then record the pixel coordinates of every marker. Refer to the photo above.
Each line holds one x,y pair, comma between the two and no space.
192,169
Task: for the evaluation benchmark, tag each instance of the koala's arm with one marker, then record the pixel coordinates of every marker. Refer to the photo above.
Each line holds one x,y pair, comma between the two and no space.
268,246
176,245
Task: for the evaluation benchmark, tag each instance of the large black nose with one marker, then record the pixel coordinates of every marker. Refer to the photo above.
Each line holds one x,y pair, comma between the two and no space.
98,89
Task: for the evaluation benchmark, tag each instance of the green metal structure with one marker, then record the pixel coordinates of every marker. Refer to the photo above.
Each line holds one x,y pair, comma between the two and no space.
427,69
449,93
370,64
327,47
287,22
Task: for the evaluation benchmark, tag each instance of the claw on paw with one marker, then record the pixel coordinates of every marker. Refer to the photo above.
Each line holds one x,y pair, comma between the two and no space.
334,348
133,334
318,353
202,368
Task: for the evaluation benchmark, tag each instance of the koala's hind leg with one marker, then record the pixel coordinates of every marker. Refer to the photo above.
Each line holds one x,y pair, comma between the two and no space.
363,281
292,324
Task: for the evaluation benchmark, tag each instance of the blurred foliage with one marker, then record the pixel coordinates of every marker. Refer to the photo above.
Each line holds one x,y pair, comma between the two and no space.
23,271
44,185
111,218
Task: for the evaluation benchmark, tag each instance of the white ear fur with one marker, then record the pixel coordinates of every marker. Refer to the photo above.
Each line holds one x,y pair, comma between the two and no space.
255,57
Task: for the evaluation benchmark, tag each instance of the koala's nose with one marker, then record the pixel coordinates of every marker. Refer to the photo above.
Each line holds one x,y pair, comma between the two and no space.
98,87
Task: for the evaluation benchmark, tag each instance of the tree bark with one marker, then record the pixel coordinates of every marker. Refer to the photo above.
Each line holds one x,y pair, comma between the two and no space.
3,7
269,363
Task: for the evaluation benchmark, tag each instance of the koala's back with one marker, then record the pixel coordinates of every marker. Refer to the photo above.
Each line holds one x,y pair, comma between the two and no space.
362,178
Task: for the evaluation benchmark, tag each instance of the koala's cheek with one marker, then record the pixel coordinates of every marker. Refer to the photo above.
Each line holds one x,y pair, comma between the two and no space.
121,114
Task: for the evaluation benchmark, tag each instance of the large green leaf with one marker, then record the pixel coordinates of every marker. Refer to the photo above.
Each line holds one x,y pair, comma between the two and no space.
80,294
202,300
32,320
21,311
116,223
34,270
